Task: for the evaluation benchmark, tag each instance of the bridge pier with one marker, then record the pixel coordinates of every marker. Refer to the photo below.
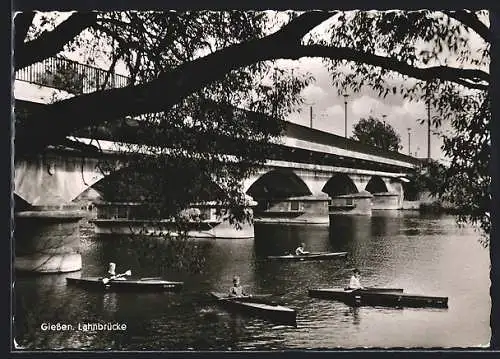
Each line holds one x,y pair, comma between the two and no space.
355,203
294,210
47,239
386,200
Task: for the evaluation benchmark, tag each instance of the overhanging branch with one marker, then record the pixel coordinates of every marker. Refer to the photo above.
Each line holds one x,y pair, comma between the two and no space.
52,42
296,29
473,77
58,120
471,20
22,23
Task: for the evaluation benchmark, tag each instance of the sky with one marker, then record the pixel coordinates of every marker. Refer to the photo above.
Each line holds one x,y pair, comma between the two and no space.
329,110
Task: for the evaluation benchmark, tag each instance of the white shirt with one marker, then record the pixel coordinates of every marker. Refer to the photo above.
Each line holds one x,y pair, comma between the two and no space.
299,251
236,291
354,283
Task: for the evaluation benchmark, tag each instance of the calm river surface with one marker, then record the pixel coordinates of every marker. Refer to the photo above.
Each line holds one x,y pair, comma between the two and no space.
427,255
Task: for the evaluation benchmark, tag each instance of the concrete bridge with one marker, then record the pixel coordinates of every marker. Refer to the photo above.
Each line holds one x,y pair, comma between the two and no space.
312,174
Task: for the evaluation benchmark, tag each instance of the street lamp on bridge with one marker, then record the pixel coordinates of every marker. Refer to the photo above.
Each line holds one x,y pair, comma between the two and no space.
345,113
409,141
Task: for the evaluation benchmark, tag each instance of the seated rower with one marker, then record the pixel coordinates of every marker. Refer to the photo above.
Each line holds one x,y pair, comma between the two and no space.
236,290
301,250
354,283
112,272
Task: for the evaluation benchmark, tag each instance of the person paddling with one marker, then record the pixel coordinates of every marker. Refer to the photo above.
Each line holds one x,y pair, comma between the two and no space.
354,283
236,290
300,251
111,275
111,270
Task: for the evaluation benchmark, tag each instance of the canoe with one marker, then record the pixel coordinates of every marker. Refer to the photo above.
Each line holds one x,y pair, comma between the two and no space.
311,256
258,307
140,284
390,297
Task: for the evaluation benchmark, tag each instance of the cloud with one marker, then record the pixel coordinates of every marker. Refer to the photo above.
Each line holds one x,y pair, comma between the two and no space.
413,109
366,105
334,111
313,93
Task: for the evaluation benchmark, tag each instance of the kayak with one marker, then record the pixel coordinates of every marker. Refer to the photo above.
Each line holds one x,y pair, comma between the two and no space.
391,297
259,307
140,284
311,256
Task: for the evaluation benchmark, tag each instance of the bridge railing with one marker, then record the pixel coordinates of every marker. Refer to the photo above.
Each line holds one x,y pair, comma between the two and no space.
70,76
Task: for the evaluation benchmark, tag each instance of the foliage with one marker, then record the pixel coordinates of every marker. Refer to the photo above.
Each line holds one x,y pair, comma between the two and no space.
422,39
431,177
468,181
65,77
178,61
372,131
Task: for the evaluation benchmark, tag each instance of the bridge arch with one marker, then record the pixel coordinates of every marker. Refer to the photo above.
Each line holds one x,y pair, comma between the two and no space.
278,183
340,184
131,184
376,185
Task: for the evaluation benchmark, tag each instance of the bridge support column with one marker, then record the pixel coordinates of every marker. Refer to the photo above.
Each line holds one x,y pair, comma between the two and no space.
47,240
355,203
294,210
386,200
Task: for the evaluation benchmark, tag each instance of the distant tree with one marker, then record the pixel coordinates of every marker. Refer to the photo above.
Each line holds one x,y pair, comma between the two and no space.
431,177
374,132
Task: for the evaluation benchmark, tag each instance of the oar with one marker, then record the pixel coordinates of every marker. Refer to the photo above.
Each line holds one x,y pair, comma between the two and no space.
127,273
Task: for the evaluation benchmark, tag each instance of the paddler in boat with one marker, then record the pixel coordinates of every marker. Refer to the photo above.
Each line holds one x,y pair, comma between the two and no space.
354,282
237,290
112,272
300,251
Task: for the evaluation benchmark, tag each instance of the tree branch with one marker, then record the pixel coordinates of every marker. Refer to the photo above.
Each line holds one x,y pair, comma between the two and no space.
22,23
444,73
60,119
50,43
158,95
296,29
470,20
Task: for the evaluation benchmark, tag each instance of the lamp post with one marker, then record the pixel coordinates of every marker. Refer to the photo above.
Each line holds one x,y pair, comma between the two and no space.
409,141
311,116
428,129
345,113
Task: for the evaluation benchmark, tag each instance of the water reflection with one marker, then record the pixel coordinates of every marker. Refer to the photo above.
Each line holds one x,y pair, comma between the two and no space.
110,303
354,313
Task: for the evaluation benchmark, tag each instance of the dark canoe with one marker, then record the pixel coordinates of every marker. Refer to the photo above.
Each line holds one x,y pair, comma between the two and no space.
140,284
258,307
390,297
311,256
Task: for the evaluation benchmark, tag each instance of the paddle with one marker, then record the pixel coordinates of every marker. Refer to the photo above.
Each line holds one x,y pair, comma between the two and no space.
107,280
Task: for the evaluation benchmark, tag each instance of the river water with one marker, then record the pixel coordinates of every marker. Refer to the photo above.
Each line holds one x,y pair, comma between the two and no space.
427,255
